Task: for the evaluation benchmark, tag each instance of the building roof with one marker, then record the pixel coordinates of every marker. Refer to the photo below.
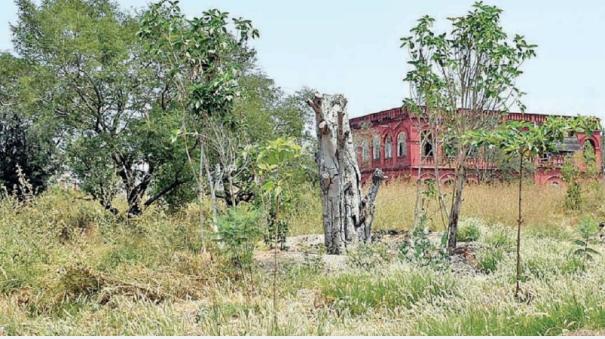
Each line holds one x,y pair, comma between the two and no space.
399,113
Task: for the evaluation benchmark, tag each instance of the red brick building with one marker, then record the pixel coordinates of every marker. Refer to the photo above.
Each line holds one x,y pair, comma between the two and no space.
390,140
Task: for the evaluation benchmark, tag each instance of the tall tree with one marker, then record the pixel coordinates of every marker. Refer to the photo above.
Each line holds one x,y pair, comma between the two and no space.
463,80
113,108
200,59
225,102
27,147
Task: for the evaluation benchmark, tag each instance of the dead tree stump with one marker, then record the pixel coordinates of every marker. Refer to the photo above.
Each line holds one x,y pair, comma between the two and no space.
347,217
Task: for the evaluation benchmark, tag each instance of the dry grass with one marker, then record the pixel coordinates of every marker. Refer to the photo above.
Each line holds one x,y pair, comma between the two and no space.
67,267
543,206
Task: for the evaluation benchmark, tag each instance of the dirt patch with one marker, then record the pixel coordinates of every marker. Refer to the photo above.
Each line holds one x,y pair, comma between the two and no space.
585,333
308,249
329,263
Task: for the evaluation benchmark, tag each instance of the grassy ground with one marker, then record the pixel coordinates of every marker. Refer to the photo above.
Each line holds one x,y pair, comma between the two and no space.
67,267
543,206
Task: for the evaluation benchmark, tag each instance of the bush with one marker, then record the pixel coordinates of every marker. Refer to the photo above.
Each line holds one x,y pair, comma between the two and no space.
238,230
489,260
418,249
588,227
500,239
367,256
468,231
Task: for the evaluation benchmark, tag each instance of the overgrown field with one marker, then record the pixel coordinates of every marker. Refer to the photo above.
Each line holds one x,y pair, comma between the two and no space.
68,267
543,207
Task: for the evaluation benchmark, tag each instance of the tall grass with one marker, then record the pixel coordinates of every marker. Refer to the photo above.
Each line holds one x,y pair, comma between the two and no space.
68,267
496,203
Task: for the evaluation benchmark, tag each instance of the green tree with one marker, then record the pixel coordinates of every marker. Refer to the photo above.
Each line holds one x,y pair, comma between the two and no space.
461,81
26,138
200,60
114,111
226,103
571,173
279,169
588,229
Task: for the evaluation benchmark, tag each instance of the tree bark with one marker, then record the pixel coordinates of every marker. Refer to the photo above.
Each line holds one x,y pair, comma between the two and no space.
347,218
452,227
211,186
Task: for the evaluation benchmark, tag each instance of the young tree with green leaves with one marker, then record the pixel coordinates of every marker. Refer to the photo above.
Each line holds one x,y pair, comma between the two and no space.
526,141
463,80
277,164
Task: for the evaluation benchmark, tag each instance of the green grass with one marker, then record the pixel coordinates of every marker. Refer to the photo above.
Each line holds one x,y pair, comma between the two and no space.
357,294
489,259
468,231
554,319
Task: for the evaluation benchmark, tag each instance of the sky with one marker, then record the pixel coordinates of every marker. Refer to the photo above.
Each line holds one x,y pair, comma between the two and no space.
353,47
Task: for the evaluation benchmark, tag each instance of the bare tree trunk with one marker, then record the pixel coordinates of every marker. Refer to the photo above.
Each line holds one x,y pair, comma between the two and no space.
347,218
452,227
200,195
210,185
437,157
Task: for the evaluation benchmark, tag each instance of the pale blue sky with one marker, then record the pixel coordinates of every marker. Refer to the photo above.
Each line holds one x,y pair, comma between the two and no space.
352,47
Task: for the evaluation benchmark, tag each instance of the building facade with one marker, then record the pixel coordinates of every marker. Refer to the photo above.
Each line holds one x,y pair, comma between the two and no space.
393,141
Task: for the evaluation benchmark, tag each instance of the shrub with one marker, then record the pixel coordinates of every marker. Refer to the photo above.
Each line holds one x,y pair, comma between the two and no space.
500,239
468,231
239,232
489,260
421,251
80,280
367,256
587,228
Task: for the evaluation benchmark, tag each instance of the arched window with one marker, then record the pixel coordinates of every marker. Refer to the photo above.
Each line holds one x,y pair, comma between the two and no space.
376,147
402,148
427,144
365,152
388,147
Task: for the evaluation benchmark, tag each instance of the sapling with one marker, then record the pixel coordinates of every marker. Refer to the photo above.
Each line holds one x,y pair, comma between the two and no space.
277,169
587,228
462,80
526,141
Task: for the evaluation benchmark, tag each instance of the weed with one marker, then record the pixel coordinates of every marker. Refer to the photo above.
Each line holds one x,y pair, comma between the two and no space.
420,250
359,293
468,231
239,232
588,228
369,256
489,259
